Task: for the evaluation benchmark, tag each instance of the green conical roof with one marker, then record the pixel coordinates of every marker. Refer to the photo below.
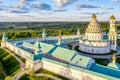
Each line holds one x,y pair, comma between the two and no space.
4,35
37,45
114,65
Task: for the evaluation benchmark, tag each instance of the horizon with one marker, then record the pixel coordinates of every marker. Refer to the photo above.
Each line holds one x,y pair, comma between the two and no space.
58,10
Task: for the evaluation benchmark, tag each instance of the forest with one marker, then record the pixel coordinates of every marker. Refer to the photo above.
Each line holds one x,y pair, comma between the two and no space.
17,30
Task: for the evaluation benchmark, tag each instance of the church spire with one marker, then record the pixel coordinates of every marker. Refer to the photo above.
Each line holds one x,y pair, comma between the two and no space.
43,34
4,38
114,58
59,38
78,32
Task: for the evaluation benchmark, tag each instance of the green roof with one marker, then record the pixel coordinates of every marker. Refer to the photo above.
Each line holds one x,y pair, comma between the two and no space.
81,60
63,53
114,65
46,47
36,45
4,35
57,51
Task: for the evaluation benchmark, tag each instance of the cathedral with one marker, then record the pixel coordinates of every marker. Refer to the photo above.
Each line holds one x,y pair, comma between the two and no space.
94,42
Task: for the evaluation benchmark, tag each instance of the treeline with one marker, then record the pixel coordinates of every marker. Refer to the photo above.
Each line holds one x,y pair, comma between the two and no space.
17,30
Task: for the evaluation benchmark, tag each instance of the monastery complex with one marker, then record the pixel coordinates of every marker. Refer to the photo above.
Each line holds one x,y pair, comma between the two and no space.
51,53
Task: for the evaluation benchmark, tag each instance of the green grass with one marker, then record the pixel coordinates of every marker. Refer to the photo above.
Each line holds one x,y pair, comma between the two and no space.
101,61
69,46
118,60
26,77
11,65
110,53
51,73
1,73
21,58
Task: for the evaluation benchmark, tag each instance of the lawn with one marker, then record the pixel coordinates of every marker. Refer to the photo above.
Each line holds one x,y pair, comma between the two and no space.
26,77
1,73
51,73
102,61
11,65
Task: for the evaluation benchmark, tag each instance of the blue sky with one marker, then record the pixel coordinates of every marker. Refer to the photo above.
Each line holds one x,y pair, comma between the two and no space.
57,10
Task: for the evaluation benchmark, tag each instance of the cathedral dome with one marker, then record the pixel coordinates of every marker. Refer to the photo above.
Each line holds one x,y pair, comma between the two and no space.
112,17
93,31
94,16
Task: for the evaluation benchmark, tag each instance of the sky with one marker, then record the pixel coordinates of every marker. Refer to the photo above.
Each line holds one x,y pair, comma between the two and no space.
57,10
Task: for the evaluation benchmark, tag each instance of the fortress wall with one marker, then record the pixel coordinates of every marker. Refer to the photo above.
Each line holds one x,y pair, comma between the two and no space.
16,49
68,72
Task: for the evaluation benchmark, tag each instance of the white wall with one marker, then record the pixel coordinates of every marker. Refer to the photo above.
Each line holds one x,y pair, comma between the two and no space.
68,72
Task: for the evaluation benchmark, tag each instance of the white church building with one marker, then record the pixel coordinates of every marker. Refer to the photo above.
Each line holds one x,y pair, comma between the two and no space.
93,41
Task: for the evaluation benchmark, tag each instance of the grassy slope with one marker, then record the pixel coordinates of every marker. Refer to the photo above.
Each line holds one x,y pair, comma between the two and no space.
26,77
10,63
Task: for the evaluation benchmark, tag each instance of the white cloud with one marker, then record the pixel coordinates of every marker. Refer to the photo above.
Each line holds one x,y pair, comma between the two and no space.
42,6
21,3
63,3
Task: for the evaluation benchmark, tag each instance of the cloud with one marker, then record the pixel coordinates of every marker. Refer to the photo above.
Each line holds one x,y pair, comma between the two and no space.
86,6
104,7
60,10
22,3
42,6
18,11
97,13
110,8
115,0
63,3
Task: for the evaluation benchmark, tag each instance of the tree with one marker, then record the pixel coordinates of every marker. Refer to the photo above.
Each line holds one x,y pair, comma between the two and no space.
8,78
32,74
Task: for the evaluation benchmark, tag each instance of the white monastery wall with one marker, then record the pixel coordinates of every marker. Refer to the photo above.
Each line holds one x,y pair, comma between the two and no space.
68,72
16,49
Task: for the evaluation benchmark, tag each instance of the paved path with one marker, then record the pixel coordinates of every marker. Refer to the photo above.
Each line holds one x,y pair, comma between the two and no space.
49,76
20,73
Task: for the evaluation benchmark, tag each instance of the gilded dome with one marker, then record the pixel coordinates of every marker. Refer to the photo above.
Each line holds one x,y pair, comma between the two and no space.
112,17
94,16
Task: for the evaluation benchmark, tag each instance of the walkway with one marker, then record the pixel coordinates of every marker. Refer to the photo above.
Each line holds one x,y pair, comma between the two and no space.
20,73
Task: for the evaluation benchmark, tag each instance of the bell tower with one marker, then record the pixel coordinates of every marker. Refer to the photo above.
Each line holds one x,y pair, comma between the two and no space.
112,33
